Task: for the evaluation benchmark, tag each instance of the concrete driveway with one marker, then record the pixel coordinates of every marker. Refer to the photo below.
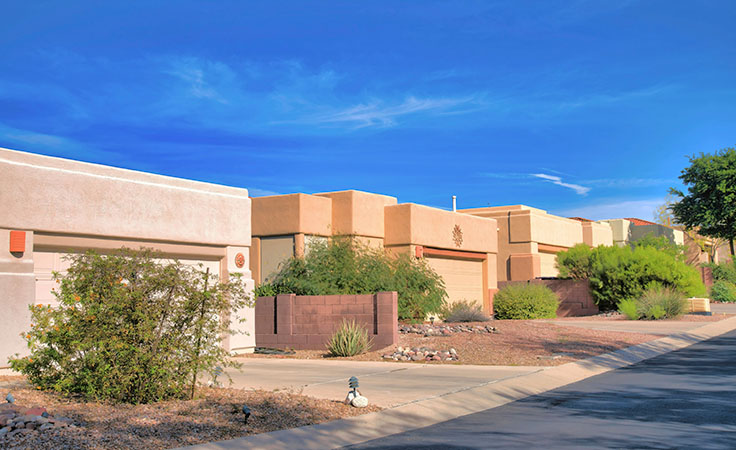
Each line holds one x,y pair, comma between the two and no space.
385,384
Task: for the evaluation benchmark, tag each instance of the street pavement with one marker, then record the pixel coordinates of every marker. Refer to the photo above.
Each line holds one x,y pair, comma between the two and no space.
385,384
683,399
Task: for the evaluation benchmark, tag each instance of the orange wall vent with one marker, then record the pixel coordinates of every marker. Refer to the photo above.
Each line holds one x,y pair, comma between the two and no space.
17,241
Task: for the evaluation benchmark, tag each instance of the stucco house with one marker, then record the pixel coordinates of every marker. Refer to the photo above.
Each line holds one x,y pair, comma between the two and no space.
53,206
529,239
459,247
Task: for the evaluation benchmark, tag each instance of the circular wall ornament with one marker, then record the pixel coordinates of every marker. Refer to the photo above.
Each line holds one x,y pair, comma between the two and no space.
239,260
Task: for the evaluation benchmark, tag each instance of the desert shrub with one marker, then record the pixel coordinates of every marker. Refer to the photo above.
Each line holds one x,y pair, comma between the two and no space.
574,262
130,329
663,244
723,291
525,301
343,265
629,309
661,302
724,271
464,311
350,339
620,273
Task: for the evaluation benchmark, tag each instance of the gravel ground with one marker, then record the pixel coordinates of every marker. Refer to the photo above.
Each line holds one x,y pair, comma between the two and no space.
517,343
215,415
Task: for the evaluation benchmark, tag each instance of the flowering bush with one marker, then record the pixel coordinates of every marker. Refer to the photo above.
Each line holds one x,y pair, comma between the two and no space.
129,328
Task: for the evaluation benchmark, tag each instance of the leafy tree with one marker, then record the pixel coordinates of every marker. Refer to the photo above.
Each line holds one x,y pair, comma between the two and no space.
130,328
710,202
663,216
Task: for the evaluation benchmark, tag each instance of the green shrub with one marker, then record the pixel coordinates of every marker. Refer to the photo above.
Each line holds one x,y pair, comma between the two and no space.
663,244
525,301
345,266
723,291
661,302
464,311
629,309
130,329
574,262
349,340
724,271
620,273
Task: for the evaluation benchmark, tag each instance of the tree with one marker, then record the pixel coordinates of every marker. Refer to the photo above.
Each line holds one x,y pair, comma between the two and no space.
663,216
710,202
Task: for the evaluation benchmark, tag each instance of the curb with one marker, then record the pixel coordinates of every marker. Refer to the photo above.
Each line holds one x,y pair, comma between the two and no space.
427,412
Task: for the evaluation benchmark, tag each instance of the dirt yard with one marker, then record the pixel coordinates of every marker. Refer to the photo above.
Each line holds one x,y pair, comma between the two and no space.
216,415
516,343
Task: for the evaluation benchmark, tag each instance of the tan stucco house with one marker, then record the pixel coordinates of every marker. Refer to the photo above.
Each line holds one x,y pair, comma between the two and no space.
459,247
53,206
529,239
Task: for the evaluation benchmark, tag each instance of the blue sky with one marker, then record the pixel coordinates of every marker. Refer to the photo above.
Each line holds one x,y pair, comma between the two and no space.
578,107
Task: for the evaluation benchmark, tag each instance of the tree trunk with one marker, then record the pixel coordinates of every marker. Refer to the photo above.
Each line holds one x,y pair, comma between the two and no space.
730,242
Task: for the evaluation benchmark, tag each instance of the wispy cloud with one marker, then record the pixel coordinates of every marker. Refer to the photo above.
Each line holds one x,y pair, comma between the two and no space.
615,209
580,190
629,182
380,114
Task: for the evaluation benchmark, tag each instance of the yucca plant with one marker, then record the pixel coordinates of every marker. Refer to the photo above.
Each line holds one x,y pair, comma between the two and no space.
349,340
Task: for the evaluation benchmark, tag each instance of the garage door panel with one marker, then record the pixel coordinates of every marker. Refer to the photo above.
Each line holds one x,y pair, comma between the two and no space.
463,278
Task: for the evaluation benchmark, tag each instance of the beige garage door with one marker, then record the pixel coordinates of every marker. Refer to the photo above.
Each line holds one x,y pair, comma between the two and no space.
45,263
463,278
547,264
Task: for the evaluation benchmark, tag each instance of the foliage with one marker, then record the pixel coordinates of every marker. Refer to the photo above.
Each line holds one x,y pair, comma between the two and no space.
628,308
343,265
710,202
130,329
464,311
620,273
525,301
723,291
349,340
724,271
574,263
663,244
661,302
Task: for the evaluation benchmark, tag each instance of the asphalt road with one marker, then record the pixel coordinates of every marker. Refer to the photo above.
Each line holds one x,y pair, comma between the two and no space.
684,399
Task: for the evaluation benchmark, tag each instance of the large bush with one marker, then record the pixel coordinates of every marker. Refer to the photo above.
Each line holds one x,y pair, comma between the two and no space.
525,301
724,271
343,265
723,291
620,273
129,328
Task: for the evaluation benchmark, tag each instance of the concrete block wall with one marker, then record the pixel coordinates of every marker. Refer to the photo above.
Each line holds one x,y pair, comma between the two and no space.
307,322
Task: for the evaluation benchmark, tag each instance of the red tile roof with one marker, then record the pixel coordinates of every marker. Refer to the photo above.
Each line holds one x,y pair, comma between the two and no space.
638,222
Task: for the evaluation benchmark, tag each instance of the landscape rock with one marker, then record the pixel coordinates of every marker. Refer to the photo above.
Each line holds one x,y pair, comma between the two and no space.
421,354
427,330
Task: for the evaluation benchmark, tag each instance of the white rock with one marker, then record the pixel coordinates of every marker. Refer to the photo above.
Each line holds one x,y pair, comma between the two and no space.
359,401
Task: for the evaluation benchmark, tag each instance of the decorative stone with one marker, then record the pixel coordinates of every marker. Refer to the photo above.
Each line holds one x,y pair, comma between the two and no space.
359,401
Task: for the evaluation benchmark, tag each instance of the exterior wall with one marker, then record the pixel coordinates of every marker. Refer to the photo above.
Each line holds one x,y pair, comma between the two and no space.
575,297
68,206
528,239
274,251
640,231
358,213
292,214
307,322
620,230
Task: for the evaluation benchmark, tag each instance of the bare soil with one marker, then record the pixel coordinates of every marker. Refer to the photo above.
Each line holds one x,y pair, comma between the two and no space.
517,343
215,415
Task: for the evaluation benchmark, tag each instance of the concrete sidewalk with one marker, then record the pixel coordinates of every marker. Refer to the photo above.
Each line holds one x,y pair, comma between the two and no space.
385,384
432,410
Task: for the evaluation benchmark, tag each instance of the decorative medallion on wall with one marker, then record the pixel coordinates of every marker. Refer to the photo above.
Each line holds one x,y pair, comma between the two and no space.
239,260
457,235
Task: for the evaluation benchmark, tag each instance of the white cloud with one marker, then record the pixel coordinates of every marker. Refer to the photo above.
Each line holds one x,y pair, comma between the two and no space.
641,209
580,190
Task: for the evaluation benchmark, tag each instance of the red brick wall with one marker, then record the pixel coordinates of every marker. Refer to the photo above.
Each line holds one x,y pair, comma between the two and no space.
575,296
307,322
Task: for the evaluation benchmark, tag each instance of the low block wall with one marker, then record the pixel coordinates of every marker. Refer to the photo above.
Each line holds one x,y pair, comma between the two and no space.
575,296
307,322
